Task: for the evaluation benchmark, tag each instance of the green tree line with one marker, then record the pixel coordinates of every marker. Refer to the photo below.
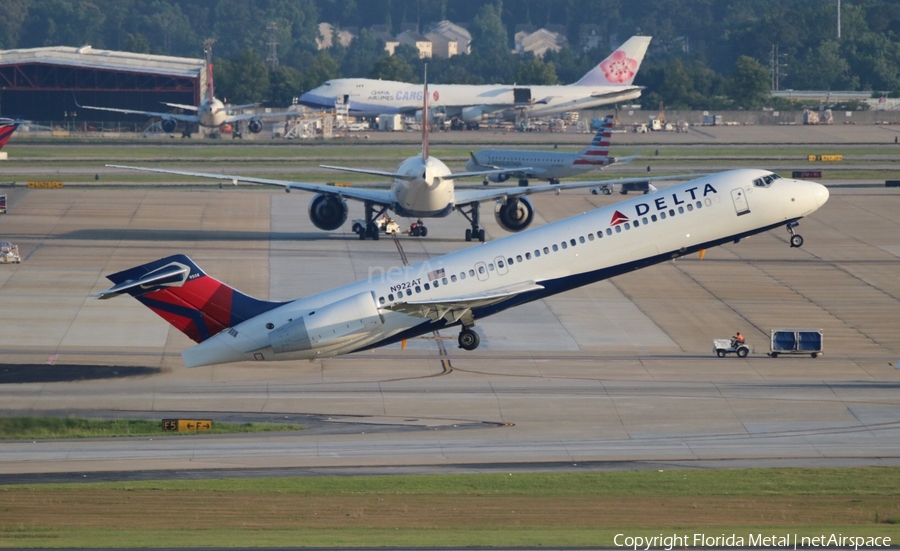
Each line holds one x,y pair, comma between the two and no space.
706,54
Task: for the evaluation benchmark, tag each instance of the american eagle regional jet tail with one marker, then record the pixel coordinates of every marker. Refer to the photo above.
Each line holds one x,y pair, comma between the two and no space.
465,286
547,165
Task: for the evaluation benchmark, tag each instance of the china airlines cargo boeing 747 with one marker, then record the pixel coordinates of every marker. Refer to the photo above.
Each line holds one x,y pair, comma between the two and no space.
468,285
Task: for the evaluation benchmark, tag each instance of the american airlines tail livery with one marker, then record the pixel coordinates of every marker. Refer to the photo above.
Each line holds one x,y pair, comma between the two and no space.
611,81
460,288
547,165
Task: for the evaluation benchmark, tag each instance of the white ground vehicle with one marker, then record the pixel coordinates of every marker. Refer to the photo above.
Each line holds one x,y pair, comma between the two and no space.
9,253
385,224
723,347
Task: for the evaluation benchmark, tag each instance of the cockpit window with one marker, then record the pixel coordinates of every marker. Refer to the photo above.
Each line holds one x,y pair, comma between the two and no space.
766,181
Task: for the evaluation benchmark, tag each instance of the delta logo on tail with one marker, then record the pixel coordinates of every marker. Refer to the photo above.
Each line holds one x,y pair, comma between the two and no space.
618,218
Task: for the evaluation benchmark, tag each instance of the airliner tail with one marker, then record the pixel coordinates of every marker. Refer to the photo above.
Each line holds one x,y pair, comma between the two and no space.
620,68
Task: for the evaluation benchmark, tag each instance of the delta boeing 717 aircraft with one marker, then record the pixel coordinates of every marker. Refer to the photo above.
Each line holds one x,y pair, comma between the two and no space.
460,288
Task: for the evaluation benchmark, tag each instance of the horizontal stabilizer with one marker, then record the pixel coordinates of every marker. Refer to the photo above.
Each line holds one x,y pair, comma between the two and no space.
180,106
172,274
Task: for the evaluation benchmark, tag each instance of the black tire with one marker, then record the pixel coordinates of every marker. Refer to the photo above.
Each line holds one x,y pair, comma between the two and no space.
415,231
423,231
815,354
796,241
468,339
742,352
481,235
720,353
774,354
468,234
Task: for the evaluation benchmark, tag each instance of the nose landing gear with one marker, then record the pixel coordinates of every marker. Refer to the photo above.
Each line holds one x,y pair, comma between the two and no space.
796,240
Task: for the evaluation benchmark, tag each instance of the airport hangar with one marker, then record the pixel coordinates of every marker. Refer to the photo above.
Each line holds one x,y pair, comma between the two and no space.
43,84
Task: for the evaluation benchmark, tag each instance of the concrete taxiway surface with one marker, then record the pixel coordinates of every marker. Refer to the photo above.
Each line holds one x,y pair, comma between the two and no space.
621,370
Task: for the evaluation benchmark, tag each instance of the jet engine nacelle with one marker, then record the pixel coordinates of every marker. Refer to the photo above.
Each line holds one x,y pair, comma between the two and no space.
336,328
168,125
515,214
255,126
327,211
499,177
472,114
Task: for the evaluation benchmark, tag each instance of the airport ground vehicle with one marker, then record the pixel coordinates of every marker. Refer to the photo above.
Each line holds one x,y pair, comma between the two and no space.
796,341
9,253
723,347
385,224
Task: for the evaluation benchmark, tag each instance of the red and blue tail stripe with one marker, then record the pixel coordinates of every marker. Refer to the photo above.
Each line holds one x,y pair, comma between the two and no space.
180,292
6,131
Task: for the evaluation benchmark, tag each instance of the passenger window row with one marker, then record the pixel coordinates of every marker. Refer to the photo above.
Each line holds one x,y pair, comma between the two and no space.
636,223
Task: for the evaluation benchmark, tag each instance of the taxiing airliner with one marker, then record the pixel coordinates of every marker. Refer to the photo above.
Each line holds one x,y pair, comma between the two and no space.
548,165
468,285
422,187
611,81
211,113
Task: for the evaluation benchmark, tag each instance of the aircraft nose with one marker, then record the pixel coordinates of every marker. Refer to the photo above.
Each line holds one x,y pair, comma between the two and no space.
821,194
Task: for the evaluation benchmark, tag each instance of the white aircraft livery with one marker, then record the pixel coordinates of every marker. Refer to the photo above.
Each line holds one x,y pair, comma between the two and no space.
607,83
462,287
211,113
547,165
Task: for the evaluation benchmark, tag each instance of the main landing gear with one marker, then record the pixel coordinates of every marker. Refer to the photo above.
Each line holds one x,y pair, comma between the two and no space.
418,229
472,216
796,240
468,339
371,229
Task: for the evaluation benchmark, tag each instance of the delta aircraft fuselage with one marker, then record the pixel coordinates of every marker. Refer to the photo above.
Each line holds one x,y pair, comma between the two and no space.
470,284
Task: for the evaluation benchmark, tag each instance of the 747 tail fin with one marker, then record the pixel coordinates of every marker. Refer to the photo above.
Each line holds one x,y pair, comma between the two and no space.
620,68
182,294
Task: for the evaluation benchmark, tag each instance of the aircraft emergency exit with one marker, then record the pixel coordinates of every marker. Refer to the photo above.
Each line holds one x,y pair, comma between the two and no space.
462,287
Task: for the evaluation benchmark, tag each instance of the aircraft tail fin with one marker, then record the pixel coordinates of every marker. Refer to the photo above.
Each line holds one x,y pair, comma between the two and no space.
620,68
6,131
180,292
600,144
210,88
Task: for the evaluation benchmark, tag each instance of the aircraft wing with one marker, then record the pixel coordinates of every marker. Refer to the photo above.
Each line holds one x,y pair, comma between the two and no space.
177,117
377,196
466,196
382,173
454,308
409,178
180,106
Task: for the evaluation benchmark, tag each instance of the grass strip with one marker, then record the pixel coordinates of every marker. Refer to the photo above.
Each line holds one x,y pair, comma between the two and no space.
40,428
519,509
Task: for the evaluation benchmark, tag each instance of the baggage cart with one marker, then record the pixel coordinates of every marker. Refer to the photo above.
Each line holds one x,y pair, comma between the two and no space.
796,341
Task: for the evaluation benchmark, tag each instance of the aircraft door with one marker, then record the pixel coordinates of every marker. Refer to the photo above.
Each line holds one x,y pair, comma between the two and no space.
500,263
481,271
740,201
